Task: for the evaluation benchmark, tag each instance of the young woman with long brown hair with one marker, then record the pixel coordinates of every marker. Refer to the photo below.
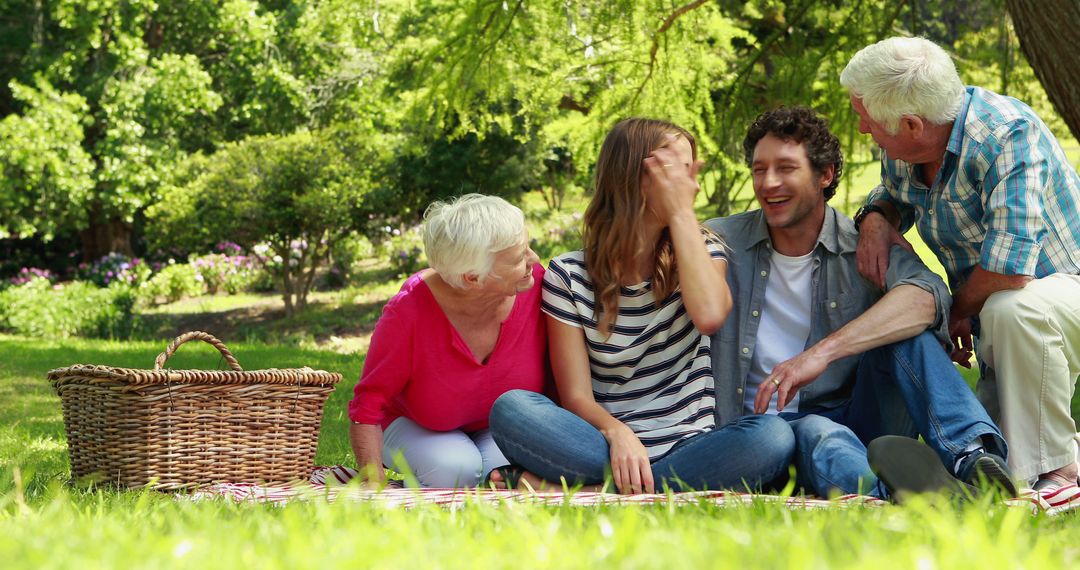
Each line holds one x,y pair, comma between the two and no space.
628,322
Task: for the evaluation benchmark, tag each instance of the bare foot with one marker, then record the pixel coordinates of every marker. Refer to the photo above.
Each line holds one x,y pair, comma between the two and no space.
532,482
1061,476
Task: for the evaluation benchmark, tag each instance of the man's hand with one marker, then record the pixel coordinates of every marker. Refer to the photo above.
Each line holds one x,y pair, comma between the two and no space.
876,238
630,465
787,378
960,333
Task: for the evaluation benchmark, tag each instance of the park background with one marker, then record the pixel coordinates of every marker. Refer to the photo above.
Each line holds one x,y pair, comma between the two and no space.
258,170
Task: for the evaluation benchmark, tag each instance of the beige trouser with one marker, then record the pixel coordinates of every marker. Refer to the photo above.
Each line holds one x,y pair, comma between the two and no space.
1030,351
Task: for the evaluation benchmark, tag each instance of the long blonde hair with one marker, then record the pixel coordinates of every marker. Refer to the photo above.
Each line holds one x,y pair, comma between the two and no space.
612,233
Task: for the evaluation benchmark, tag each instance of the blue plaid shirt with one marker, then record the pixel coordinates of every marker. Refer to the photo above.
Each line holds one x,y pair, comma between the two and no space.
1006,197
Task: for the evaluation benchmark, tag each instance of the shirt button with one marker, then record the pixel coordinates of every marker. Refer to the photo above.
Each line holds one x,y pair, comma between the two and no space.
930,211
832,304
738,390
755,313
745,350
764,273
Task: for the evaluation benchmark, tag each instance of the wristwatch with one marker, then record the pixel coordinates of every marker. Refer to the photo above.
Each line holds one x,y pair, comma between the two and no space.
865,211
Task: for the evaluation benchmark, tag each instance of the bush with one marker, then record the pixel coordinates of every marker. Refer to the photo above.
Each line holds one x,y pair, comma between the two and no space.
229,273
112,268
172,283
40,309
28,274
404,249
344,256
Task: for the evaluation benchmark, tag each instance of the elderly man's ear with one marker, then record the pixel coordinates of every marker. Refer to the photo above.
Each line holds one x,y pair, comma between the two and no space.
912,126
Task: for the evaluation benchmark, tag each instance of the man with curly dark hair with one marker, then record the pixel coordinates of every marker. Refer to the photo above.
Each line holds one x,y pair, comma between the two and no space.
843,360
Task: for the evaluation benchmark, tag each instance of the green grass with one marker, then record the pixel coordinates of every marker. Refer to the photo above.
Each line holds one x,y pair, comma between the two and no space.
44,523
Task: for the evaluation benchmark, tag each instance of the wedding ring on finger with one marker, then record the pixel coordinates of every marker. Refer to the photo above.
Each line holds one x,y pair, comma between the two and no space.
666,164
776,381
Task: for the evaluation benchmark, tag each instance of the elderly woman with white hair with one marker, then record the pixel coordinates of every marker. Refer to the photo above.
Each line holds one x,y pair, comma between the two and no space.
456,337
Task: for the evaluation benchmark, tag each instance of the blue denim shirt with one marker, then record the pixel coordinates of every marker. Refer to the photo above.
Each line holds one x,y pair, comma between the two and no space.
838,295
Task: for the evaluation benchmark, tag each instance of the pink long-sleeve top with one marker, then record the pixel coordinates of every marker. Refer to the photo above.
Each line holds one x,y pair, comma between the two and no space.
418,366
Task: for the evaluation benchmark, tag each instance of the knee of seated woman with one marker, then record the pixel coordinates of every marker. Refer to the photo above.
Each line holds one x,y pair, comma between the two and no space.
513,404
449,466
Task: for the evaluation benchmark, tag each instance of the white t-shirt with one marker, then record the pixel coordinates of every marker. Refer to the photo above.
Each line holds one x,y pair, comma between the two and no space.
785,324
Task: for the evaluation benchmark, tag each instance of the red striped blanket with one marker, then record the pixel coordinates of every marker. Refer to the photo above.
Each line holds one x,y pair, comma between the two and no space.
330,483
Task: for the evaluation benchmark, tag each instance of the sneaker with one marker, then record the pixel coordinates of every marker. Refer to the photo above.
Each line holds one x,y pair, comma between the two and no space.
908,467
980,466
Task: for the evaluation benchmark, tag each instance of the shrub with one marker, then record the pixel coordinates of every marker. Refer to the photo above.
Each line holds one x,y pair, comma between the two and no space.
299,194
114,267
229,273
405,249
40,309
172,283
27,274
343,259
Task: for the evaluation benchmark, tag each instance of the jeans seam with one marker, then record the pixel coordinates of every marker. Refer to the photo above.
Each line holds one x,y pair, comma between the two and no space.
932,419
566,471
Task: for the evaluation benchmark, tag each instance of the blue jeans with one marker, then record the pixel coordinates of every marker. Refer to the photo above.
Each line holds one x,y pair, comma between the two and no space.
551,442
907,388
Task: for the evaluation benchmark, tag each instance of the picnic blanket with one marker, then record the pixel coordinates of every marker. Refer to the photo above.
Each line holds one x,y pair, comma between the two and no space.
331,483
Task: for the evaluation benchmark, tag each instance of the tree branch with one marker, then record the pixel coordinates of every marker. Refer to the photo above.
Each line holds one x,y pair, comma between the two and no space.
656,43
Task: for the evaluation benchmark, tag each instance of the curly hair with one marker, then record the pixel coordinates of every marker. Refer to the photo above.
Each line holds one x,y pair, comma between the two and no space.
804,126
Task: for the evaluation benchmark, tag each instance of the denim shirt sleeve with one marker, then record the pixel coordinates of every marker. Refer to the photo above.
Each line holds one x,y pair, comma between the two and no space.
905,268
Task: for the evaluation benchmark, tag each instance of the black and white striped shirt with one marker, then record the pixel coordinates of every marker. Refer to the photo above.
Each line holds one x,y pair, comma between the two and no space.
653,373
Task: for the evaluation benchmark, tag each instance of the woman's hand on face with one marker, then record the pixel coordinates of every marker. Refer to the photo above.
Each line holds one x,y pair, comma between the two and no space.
668,184
630,465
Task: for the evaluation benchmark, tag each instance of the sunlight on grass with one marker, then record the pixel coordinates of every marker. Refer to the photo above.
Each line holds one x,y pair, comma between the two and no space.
150,529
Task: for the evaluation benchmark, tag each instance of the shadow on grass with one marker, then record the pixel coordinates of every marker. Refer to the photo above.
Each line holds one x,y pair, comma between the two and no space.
317,322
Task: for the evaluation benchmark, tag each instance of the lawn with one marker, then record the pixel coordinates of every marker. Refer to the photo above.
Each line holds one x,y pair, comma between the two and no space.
44,523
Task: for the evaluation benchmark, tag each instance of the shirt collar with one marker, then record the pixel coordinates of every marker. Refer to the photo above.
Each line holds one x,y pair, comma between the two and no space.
829,237
956,137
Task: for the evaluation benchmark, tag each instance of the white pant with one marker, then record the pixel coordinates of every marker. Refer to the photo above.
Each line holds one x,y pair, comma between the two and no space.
441,459
1029,347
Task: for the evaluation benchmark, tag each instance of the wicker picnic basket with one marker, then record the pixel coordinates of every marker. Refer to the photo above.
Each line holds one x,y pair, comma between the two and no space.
173,429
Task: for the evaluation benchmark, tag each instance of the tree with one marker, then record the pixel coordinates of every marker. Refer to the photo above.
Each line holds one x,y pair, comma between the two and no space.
161,80
45,174
1047,32
289,199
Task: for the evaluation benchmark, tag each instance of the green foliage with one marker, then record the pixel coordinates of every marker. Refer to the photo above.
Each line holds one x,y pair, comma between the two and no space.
437,167
404,250
299,194
126,89
174,282
45,174
228,273
114,268
41,309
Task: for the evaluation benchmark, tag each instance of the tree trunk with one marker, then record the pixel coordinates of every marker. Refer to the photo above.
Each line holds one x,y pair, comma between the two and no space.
104,237
1048,35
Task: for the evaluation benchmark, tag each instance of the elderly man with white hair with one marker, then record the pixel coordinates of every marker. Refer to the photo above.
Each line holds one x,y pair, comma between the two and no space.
456,337
994,196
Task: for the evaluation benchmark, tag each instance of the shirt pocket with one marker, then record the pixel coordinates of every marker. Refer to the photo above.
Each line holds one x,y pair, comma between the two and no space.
960,216
841,309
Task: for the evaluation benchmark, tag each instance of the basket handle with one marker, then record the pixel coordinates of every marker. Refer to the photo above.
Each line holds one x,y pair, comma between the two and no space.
162,358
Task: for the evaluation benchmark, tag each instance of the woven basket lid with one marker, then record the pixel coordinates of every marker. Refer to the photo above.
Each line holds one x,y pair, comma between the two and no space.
87,373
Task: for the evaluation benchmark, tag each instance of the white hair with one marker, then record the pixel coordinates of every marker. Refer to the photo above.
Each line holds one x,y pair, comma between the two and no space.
462,236
905,76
